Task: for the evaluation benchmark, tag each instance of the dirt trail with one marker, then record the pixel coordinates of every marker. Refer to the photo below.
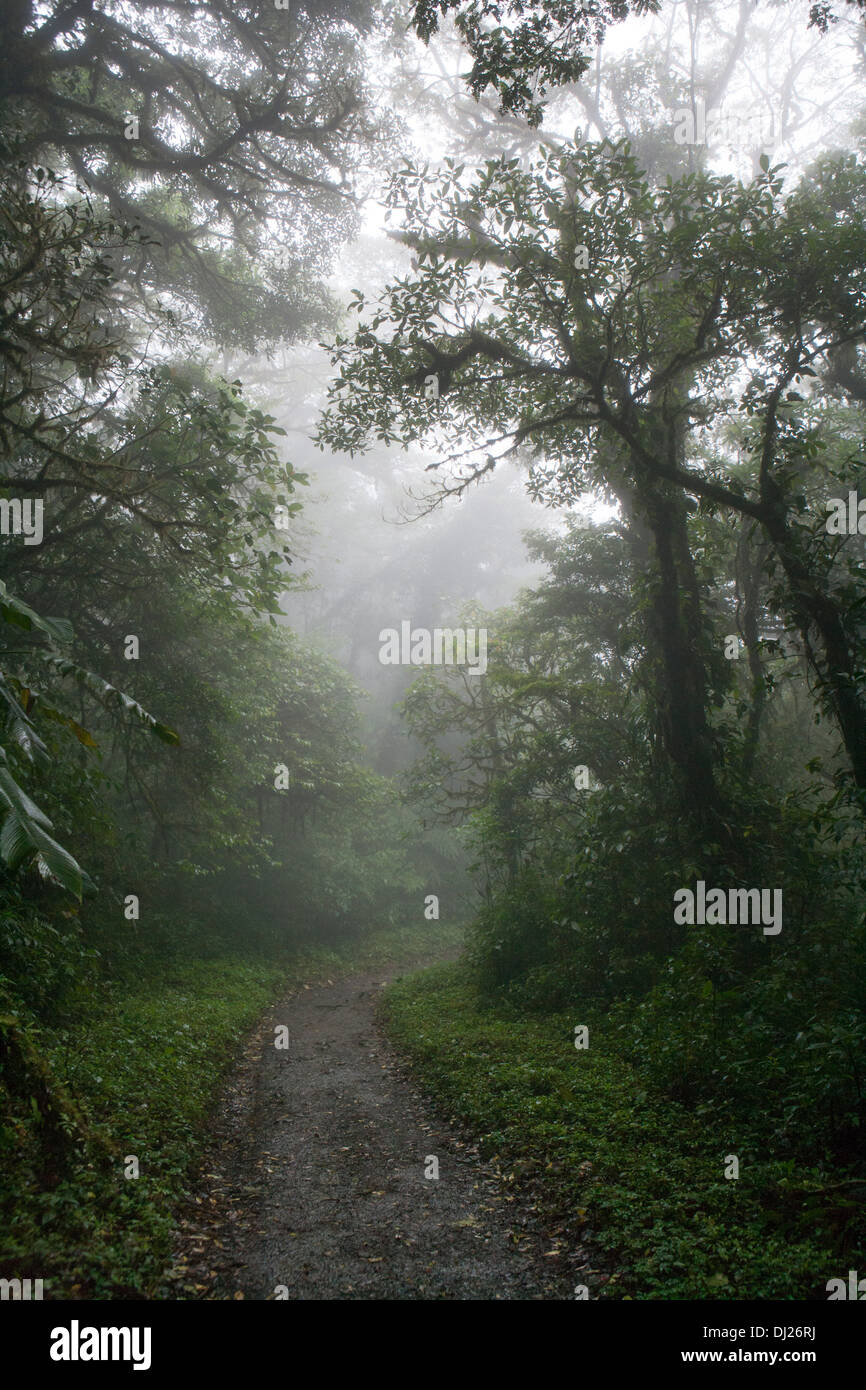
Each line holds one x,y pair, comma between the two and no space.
316,1178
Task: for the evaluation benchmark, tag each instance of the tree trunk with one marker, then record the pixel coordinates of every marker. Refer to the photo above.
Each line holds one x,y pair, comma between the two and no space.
676,625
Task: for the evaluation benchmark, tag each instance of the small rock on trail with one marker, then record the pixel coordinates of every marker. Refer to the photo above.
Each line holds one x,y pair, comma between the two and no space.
316,1181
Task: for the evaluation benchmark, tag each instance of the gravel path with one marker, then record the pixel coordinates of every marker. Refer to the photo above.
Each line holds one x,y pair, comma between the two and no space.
315,1187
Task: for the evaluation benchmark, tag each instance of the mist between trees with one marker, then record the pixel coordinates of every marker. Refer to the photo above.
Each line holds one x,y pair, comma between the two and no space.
432,446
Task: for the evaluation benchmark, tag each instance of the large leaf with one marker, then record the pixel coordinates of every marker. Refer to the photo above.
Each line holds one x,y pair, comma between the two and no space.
20,727
110,697
15,842
25,832
57,863
21,836
15,610
15,798
83,735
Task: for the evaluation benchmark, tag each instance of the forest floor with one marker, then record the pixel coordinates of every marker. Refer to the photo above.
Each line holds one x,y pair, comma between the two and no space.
314,1184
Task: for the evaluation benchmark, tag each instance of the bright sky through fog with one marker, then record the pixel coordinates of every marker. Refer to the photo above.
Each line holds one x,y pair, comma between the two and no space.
794,120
